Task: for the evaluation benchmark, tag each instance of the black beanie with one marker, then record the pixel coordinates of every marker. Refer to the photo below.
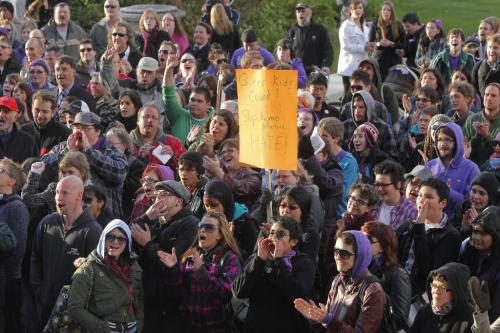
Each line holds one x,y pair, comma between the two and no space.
8,6
195,159
489,182
217,189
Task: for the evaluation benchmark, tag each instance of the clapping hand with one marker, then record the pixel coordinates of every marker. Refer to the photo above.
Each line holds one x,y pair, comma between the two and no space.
310,310
169,260
37,168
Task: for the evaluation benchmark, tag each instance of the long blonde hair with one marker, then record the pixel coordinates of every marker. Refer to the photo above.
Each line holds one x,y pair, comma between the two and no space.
381,24
219,20
227,239
143,19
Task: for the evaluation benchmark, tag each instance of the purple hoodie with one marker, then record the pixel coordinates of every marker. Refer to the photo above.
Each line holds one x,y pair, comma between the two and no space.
363,254
461,171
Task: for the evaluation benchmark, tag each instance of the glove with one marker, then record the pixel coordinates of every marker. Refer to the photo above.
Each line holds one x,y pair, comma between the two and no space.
305,149
479,294
37,168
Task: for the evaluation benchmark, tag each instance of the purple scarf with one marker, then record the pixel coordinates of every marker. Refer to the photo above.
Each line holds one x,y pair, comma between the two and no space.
150,38
287,258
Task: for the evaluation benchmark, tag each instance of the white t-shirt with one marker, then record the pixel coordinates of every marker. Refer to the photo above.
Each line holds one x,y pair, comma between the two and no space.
385,213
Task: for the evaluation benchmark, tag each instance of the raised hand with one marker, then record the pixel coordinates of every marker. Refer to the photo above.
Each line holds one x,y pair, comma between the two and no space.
37,168
197,260
264,248
168,259
141,236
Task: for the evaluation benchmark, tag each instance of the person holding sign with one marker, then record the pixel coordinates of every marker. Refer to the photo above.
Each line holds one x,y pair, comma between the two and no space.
184,120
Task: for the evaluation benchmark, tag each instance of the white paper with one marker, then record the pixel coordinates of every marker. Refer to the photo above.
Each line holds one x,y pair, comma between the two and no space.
316,141
164,158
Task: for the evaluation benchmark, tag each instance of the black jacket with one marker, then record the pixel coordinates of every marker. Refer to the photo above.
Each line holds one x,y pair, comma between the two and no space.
387,56
459,319
312,44
54,250
19,147
162,36
179,232
432,249
82,94
48,136
272,288
201,56
482,75
11,66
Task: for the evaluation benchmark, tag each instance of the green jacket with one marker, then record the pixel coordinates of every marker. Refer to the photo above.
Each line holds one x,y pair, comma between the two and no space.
109,296
441,63
181,119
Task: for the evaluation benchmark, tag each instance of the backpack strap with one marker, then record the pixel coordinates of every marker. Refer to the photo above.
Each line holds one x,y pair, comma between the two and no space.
367,281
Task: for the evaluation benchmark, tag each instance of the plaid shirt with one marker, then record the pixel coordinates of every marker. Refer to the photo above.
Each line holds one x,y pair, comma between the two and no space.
386,139
404,210
207,290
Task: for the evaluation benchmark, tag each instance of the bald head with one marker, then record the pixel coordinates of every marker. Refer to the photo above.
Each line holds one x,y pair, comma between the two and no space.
69,193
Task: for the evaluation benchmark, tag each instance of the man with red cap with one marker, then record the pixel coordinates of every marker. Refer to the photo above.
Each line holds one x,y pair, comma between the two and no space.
14,144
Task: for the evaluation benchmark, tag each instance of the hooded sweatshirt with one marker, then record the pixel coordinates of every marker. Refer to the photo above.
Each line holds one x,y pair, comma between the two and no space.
386,140
459,319
459,173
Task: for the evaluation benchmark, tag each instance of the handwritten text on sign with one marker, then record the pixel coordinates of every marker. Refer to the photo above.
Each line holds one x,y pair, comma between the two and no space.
267,103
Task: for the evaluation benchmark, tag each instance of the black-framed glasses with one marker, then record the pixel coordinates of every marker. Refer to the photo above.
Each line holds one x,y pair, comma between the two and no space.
222,61
383,185
495,143
423,99
440,289
357,201
113,238
208,227
88,49
343,254
114,34
356,87
278,234
163,194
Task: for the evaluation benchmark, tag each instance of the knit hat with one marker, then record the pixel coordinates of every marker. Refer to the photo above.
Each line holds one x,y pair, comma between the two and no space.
216,189
363,254
163,172
195,159
370,132
489,182
7,5
40,62
308,110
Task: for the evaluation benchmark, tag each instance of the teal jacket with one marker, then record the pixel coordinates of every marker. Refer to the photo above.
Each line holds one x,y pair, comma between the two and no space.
441,63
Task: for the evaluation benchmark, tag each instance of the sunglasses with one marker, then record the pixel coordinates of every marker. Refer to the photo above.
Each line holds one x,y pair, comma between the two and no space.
207,227
382,184
222,61
119,239
187,60
278,234
495,143
114,34
88,49
343,254
422,99
356,87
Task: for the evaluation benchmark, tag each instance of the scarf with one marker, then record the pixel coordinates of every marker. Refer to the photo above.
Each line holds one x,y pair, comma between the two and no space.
441,310
130,123
495,162
149,49
287,258
122,268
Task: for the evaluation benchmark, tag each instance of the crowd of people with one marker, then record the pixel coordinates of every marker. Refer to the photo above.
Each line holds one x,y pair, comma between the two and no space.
124,206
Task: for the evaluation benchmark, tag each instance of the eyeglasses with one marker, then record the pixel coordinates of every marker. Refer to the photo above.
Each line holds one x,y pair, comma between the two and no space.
356,87
222,61
343,254
439,289
423,99
290,207
187,60
110,7
414,183
382,184
3,170
278,234
495,143
147,180
168,19
163,194
88,49
358,202
163,51
36,72
119,239
114,34
207,227
445,140
227,151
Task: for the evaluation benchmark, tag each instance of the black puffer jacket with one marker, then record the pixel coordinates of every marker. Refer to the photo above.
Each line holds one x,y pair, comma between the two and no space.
459,319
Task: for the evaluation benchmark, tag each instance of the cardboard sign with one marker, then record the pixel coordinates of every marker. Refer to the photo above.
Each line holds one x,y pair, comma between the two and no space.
267,108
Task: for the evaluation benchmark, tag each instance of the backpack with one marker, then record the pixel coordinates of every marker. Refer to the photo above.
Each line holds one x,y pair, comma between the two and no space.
388,323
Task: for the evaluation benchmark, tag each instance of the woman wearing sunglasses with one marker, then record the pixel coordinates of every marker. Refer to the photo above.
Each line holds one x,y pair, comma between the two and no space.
205,274
275,276
106,292
385,266
345,311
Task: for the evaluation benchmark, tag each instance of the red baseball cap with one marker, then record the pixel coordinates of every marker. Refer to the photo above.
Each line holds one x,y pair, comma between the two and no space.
9,103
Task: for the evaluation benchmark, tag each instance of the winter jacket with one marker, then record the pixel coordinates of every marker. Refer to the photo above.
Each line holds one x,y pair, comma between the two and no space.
460,172
99,294
54,250
153,53
386,139
229,42
387,56
82,74
245,185
99,37
411,45
312,44
459,319
380,111
352,46
302,76
423,249
481,147
206,292
483,74
441,63
271,288
19,146
10,66
196,200
71,44
107,108
244,230
436,46
108,168
367,163
201,56
181,119
48,136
